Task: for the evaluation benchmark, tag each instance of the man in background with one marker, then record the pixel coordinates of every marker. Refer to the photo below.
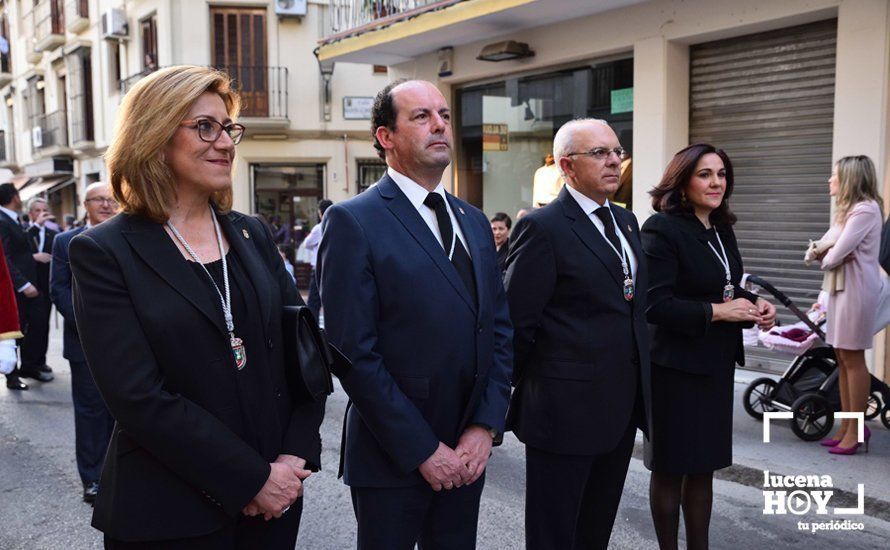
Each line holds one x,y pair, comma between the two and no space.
41,237
92,421
22,265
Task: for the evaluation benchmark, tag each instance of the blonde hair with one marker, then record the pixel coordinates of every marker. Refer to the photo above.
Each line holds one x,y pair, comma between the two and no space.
857,182
148,118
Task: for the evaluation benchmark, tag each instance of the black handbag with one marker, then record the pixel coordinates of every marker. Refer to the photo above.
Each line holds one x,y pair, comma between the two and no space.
306,346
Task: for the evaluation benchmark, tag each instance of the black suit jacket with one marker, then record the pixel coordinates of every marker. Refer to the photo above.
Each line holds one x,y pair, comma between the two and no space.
42,269
19,256
685,278
580,349
194,436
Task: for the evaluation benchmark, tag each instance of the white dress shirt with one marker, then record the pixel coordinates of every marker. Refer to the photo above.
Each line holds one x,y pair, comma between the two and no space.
416,195
11,213
588,205
41,240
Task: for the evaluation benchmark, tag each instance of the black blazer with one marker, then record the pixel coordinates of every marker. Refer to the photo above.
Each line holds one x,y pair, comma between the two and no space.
19,256
194,437
575,335
42,269
685,278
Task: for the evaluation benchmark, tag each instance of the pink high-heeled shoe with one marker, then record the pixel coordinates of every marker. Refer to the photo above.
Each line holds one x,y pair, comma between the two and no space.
829,442
838,450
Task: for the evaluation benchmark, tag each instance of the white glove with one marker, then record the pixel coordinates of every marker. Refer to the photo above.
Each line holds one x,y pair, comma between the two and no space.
8,357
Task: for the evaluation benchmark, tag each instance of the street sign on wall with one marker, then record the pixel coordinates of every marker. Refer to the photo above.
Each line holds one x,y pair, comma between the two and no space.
357,108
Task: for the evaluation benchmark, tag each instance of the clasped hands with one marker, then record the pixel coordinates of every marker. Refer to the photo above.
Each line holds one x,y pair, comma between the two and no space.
283,487
449,468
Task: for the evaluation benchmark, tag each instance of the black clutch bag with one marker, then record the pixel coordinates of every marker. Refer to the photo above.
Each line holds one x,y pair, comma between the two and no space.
307,347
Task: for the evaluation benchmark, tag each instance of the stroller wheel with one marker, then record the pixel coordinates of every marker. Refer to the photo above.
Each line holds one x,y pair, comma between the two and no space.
873,406
813,417
758,397
885,416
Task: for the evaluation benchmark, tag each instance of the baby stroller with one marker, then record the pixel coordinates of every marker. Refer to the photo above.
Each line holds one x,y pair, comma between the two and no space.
809,386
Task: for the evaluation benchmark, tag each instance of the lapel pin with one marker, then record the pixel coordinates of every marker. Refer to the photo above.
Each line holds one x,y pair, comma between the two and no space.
629,230
461,210
245,233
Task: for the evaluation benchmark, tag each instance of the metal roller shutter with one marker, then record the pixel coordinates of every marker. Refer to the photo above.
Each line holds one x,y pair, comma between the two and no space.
768,100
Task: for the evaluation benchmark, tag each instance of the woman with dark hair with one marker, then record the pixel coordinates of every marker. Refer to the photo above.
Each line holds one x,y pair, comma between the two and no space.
697,310
500,229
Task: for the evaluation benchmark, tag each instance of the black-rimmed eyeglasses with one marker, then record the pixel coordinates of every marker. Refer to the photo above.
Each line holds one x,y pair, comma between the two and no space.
600,153
209,130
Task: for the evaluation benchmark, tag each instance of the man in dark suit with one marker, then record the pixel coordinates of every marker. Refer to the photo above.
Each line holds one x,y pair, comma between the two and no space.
576,285
93,423
41,238
23,268
413,296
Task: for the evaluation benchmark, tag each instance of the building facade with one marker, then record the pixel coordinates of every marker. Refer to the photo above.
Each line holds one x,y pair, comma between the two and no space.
785,87
66,64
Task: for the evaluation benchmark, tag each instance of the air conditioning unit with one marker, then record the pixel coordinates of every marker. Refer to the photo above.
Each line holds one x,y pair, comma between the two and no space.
114,25
36,137
290,8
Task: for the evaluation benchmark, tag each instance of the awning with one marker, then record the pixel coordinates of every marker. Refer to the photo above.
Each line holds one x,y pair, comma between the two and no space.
41,185
20,180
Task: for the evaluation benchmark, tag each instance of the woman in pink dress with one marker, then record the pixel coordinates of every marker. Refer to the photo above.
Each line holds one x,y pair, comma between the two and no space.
852,310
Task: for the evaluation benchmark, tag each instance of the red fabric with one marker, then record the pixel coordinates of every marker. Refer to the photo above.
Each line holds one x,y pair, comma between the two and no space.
9,312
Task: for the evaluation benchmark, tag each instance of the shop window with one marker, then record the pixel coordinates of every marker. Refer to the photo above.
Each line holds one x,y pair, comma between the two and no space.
369,172
80,93
505,131
286,196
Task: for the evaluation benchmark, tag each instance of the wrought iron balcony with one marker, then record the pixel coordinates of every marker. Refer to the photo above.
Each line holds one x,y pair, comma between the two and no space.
52,133
49,25
263,90
349,16
131,80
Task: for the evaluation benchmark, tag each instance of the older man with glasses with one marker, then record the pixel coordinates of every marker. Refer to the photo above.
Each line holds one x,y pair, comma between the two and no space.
92,421
576,285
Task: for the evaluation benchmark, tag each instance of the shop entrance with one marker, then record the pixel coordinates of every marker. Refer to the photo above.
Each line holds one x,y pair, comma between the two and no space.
506,128
287,196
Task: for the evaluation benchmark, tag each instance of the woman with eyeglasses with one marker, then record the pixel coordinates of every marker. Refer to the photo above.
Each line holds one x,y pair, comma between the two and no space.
179,303
696,310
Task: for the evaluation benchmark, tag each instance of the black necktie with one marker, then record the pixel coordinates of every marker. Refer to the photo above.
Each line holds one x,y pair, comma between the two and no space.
459,258
605,214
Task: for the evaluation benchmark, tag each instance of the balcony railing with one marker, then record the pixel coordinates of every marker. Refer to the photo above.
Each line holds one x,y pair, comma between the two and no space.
131,80
49,25
53,131
263,90
349,15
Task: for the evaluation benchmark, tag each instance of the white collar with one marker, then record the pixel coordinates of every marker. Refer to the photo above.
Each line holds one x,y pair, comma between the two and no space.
587,204
11,213
415,192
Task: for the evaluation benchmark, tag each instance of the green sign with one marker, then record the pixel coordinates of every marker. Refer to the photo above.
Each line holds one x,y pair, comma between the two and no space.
622,100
